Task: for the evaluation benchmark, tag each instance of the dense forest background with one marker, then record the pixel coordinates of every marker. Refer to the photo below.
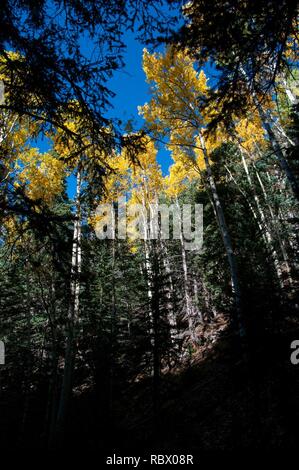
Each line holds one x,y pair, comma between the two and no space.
143,345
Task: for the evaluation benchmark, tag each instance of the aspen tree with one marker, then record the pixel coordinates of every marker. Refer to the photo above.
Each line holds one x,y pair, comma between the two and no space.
175,112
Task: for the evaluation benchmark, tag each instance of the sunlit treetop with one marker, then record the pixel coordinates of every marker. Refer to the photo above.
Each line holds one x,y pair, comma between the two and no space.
116,182
180,175
42,175
175,111
251,133
176,89
147,180
178,113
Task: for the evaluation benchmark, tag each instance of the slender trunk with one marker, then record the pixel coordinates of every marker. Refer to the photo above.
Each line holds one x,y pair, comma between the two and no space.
278,128
113,323
188,301
113,306
278,152
273,218
169,295
148,267
208,301
152,269
292,98
73,318
155,309
274,143
153,312
30,313
196,300
264,226
236,289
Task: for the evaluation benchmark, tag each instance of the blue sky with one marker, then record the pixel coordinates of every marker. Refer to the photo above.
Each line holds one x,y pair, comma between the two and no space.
131,91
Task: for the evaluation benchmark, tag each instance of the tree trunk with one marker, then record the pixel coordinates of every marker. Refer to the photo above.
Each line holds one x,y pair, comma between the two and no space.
274,143
155,309
292,98
196,300
236,289
263,226
169,294
73,318
188,300
273,218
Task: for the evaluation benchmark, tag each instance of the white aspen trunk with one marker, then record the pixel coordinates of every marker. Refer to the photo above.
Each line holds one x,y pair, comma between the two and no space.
282,132
278,152
273,217
148,269
170,295
153,302
195,291
113,319
73,317
263,226
165,259
274,142
188,302
113,309
5,129
208,302
292,98
236,290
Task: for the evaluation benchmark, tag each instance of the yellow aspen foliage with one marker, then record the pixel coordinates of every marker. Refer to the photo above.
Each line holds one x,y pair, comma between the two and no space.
15,129
147,185
67,146
14,139
251,132
5,70
176,89
147,179
116,183
175,108
178,178
14,231
74,145
42,174
178,110
140,182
